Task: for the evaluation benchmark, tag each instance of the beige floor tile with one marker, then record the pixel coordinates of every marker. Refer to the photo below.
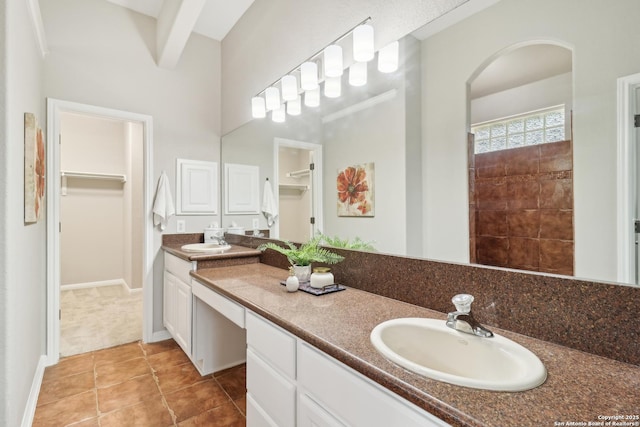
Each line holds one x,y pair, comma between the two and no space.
69,366
174,378
72,409
193,400
223,416
70,385
151,413
128,393
115,373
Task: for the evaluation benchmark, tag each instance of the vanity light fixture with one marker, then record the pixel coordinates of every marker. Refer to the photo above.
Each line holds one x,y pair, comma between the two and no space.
333,66
294,107
332,87
272,97
358,74
388,58
258,109
312,97
278,115
363,50
289,87
333,61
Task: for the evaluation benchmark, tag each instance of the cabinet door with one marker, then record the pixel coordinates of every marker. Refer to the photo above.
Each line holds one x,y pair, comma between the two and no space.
169,303
310,414
183,316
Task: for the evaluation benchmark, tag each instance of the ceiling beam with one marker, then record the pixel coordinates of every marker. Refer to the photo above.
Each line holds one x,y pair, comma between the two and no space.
175,24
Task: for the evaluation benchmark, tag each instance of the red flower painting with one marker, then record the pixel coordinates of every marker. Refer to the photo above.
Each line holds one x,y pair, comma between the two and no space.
355,190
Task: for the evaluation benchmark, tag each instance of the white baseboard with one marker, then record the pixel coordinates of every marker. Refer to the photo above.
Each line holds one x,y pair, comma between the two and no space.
32,401
112,282
160,336
85,285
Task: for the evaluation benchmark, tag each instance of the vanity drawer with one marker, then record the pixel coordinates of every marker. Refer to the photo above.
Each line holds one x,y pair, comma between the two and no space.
223,305
178,267
274,345
275,394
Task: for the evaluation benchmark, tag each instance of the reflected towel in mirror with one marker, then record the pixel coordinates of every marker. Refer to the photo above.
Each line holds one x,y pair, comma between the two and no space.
269,204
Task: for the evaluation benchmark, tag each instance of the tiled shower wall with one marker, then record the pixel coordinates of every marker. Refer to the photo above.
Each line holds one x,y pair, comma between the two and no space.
521,208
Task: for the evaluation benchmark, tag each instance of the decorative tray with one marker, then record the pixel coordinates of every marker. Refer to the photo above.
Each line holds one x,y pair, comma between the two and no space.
306,287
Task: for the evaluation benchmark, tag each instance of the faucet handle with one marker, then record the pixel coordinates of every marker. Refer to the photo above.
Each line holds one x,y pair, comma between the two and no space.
462,302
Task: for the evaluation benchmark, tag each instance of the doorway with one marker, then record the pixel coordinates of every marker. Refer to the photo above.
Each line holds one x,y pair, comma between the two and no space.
92,248
298,189
101,162
628,182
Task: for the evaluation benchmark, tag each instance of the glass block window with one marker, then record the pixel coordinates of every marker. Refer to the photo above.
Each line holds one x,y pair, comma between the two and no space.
532,128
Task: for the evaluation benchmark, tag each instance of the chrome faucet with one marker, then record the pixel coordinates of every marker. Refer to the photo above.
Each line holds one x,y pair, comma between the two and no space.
462,320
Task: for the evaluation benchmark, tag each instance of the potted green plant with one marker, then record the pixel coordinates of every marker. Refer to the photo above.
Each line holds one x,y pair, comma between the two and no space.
301,257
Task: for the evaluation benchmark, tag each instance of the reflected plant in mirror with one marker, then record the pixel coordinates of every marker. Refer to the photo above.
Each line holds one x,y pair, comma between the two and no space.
345,243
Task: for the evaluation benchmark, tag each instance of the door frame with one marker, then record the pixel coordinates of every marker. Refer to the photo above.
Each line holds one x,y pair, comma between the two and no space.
55,108
627,188
316,178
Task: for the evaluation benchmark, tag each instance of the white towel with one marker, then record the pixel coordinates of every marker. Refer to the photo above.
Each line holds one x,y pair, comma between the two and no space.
163,207
269,204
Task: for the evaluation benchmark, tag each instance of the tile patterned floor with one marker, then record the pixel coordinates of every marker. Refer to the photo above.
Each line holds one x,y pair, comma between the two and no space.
139,385
99,317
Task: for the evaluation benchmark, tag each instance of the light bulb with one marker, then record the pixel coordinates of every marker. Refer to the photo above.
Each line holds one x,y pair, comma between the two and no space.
309,76
358,74
333,61
294,107
363,50
312,97
332,87
278,115
258,109
289,87
388,58
272,96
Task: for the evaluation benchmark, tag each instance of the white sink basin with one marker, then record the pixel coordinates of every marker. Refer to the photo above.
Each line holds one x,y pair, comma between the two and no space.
428,347
206,247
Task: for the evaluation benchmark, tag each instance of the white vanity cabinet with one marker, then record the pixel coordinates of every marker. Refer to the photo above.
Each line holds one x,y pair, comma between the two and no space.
337,395
271,374
177,300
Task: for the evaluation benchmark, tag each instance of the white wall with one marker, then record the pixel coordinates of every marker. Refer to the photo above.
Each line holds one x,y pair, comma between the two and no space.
22,247
600,57
544,93
376,135
274,36
104,55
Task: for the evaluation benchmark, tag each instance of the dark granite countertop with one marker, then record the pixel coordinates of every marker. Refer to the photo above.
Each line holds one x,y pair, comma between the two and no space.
580,387
235,252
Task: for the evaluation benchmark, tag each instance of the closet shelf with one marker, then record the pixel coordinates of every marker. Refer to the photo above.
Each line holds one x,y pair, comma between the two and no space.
88,175
91,175
293,187
298,174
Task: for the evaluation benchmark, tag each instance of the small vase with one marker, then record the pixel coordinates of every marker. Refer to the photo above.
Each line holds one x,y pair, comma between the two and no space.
302,272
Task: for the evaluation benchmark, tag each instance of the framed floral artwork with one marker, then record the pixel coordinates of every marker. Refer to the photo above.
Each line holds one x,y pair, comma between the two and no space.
34,169
355,190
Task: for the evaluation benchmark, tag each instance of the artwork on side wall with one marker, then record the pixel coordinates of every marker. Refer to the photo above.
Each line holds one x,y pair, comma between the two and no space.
355,190
34,169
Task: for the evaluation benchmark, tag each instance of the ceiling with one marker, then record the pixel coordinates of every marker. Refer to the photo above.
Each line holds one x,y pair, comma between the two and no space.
215,19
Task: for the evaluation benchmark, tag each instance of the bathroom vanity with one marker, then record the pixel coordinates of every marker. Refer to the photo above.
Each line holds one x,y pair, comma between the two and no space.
310,360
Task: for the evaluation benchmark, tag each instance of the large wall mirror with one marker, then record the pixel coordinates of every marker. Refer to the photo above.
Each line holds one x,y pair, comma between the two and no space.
517,64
